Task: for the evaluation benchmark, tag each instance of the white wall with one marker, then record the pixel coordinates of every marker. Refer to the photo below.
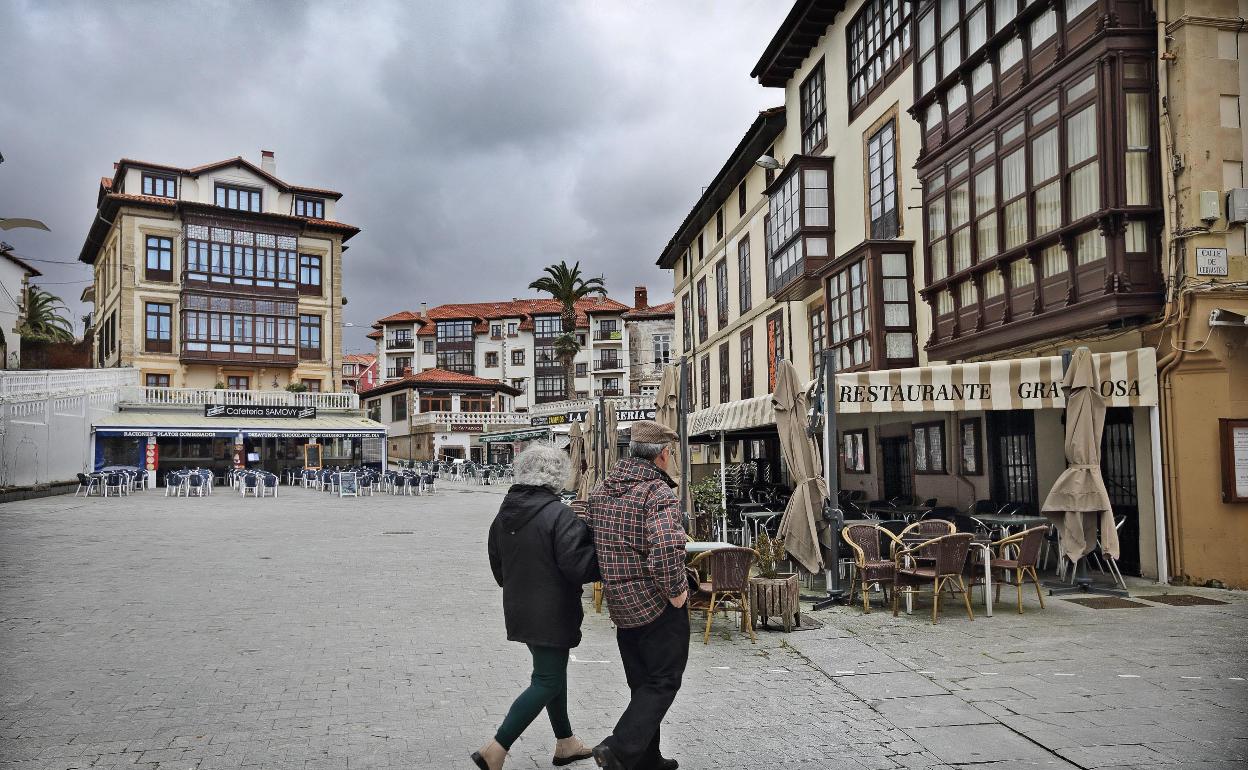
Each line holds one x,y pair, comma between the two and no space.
10,311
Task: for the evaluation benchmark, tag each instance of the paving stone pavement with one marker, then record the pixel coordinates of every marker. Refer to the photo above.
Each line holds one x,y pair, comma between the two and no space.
312,632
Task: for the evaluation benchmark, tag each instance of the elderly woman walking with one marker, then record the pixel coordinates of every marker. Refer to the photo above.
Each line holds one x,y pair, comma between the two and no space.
541,554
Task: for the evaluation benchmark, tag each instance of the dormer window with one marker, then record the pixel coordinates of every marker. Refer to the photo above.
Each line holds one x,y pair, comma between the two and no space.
239,198
313,208
160,185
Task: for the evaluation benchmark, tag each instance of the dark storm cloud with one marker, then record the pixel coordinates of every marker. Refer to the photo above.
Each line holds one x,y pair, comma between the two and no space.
474,143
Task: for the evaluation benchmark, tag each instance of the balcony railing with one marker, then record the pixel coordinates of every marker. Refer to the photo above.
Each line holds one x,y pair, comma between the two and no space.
582,404
609,392
395,372
19,383
454,419
608,364
609,335
401,343
139,394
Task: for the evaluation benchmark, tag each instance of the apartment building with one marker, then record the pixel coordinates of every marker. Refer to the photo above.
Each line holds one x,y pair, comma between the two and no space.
650,332
220,275
15,275
359,372
511,342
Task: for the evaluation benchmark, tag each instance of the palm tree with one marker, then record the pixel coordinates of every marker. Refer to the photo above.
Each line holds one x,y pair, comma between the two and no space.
44,319
567,286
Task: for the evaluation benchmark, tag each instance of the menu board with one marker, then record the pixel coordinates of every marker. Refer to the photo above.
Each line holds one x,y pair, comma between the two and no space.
1234,460
312,456
348,485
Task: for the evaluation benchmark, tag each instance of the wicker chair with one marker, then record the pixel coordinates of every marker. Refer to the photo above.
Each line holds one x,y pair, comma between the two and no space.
870,566
949,557
926,529
1028,544
728,589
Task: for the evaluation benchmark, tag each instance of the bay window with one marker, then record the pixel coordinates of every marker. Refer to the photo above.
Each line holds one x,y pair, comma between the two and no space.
878,45
799,223
813,111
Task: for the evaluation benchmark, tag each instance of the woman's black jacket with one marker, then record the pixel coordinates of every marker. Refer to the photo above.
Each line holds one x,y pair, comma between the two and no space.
541,555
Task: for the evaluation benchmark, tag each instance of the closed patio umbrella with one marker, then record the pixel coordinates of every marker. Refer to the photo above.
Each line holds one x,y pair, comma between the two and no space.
589,478
611,438
576,449
667,414
1078,498
799,526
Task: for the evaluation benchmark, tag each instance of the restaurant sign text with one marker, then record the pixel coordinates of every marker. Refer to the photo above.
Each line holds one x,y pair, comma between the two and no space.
260,411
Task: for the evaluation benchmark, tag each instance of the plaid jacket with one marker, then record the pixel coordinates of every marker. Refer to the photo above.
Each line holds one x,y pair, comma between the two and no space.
641,545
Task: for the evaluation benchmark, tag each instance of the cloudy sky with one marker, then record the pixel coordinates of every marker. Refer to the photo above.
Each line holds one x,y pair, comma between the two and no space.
473,142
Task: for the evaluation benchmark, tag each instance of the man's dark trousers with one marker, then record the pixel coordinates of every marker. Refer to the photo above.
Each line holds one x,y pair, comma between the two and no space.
654,658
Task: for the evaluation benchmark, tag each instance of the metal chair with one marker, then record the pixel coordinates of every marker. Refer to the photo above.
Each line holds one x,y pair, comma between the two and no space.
728,589
949,558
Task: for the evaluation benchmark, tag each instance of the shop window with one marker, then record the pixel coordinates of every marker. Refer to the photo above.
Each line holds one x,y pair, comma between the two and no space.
971,447
929,448
159,258
855,454
158,327
398,407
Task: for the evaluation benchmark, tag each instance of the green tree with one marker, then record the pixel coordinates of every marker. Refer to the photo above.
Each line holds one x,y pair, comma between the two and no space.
567,286
45,319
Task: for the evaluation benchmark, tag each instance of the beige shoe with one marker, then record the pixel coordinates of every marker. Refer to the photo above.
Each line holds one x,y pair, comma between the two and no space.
490,757
569,750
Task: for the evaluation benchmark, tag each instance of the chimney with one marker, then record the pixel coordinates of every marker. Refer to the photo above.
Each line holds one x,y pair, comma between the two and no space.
424,310
268,163
641,298
407,371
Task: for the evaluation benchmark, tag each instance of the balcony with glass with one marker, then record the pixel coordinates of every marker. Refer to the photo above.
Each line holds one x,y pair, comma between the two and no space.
242,330
869,301
799,227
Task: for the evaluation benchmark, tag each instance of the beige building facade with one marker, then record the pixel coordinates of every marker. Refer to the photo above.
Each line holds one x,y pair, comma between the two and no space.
220,275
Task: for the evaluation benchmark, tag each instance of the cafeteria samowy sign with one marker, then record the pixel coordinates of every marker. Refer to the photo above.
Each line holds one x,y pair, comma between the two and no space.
1127,378
262,411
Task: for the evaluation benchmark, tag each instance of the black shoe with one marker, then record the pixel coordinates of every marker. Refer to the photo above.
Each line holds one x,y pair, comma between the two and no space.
605,757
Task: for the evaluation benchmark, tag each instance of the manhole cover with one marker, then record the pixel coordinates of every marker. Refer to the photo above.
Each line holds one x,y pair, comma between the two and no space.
1181,600
1107,603
400,532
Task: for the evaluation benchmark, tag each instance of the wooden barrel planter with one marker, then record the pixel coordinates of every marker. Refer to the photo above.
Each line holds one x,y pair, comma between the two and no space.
776,597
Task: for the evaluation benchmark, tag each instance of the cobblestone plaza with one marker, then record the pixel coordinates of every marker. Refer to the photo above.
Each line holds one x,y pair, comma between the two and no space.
314,632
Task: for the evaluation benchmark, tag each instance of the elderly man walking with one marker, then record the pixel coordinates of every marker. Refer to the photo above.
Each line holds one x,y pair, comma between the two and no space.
636,519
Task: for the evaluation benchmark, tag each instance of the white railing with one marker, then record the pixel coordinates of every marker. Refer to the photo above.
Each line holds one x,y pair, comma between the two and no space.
585,404
138,394
471,418
55,382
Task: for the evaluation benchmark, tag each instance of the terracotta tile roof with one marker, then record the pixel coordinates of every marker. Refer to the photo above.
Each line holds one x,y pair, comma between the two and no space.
442,377
106,182
375,335
666,310
400,317
359,358
522,309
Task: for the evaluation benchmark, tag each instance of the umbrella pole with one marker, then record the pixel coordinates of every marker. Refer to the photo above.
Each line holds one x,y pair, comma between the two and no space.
833,515
723,490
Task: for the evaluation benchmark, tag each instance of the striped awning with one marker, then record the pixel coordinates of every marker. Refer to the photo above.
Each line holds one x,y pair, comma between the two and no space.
530,434
734,415
1128,378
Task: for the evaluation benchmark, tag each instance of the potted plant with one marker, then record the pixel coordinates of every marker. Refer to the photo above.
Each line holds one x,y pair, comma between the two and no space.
774,592
708,504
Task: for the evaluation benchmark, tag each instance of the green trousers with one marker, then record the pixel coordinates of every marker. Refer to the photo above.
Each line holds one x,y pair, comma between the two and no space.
548,689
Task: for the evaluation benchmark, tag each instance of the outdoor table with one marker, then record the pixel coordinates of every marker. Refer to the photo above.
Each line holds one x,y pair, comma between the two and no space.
755,519
694,547
906,512
1007,520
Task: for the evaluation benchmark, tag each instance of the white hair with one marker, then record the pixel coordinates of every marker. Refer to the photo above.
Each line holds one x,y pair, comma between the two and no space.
542,465
645,451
